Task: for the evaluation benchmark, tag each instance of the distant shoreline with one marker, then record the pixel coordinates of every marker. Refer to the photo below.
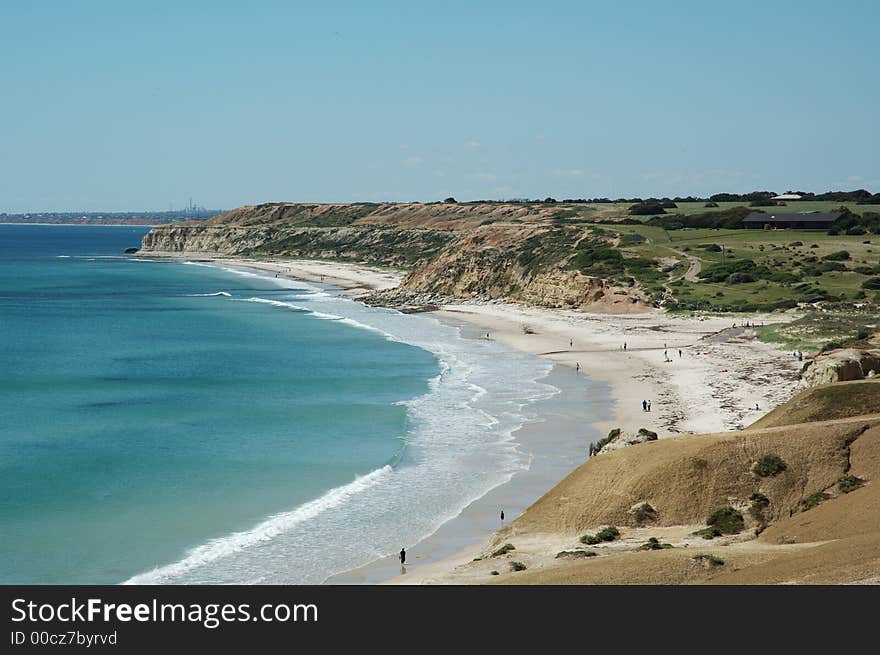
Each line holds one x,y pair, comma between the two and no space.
151,225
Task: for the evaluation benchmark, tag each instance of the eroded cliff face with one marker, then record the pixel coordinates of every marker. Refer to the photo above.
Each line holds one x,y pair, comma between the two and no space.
843,365
513,262
456,251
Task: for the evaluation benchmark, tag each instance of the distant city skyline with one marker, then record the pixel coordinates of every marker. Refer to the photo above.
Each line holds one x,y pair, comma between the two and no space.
113,107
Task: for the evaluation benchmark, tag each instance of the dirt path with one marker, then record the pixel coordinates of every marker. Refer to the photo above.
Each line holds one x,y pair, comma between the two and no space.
693,272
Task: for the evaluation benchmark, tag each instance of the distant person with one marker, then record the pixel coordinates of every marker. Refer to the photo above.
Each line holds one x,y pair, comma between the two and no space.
644,405
570,343
487,335
757,408
679,353
649,405
624,345
577,367
502,514
402,556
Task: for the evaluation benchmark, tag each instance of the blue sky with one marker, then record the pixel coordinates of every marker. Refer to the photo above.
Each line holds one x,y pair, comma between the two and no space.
123,105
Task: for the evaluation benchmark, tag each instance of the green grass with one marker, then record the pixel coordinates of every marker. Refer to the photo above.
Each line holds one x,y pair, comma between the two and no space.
785,256
812,331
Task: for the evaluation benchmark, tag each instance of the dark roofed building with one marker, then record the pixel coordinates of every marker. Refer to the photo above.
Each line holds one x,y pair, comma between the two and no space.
797,221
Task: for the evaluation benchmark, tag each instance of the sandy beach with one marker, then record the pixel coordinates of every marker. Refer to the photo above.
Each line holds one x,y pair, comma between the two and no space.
702,374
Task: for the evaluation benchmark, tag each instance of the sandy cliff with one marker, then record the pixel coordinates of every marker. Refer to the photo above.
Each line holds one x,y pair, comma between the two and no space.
522,253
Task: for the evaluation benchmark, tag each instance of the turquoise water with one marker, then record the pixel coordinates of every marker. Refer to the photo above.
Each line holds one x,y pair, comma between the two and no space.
177,423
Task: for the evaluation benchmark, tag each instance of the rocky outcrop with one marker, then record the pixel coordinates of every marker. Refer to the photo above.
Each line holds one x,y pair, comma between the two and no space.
842,365
616,440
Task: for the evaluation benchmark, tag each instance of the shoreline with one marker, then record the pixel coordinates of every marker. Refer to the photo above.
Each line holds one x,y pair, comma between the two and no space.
722,374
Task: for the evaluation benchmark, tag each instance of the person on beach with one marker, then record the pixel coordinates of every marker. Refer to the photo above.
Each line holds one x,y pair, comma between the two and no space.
402,556
570,344
679,353
577,367
502,514
649,405
644,405
624,345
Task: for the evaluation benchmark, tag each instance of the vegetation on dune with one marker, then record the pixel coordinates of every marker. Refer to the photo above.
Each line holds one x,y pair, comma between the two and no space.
506,548
727,520
814,499
708,560
769,465
605,534
576,554
517,566
644,513
654,544
760,502
849,483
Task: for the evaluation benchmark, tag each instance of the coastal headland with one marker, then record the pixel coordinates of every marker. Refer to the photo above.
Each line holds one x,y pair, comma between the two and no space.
547,285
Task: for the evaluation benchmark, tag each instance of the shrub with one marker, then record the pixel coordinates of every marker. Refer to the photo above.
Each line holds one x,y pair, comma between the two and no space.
849,483
739,278
648,434
871,283
709,560
644,513
654,544
605,534
506,548
726,519
769,465
814,499
711,247
517,566
708,533
575,554
646,209
760,502
608,534
839,256
494,573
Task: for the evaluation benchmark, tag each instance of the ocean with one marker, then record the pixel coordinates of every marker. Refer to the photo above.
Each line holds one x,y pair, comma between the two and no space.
172,422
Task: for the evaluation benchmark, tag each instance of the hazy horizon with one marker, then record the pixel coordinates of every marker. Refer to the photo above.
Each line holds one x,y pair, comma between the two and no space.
118,108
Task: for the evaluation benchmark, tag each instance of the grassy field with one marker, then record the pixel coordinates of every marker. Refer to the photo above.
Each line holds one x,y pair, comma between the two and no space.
782,267
615,210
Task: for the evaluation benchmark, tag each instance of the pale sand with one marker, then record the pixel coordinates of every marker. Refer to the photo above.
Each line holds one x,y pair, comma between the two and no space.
713,386
355,279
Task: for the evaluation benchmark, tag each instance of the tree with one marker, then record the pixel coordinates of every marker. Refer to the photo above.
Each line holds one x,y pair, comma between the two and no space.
450,200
